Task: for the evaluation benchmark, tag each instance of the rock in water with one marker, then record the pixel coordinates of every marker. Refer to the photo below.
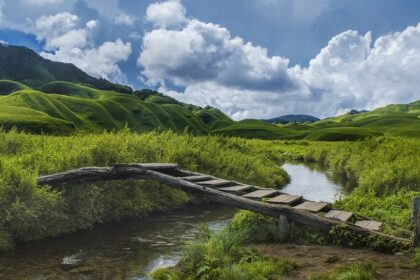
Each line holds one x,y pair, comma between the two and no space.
71,262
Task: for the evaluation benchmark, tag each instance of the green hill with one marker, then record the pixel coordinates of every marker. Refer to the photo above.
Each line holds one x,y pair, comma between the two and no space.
39,95
78,107
25,66
292,119
396,119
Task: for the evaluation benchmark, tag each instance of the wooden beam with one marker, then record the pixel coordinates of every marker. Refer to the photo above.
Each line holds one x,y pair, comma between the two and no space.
118,172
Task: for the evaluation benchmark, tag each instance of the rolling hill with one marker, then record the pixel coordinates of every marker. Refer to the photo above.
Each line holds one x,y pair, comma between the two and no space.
38,95
292,119
23,65
65,107
395,120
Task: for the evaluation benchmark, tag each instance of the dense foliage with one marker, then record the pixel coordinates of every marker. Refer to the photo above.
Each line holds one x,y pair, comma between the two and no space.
34,212
385,170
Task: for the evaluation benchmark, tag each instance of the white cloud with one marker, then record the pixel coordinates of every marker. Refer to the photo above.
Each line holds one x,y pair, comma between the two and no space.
206,52
43,2
244,81
124,19
49,27
166,14
99,62
72,44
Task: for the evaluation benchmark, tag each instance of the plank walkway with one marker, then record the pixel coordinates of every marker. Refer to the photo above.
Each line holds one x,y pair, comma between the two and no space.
263,200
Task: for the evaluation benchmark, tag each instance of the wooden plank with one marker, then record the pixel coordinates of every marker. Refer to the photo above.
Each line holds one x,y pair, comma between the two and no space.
260,194
149,166
303,218
339,215
236,189
215,182
285,199
311,206
197,178
368,224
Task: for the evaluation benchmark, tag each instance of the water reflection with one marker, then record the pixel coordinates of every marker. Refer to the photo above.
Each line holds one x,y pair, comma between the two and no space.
132,248
312,183
125,250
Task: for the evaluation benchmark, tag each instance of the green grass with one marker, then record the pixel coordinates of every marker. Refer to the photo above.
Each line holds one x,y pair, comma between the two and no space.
396,120
385,171
222,255
342,134
34,212
214,118
361,271
69,107
253,129
393,120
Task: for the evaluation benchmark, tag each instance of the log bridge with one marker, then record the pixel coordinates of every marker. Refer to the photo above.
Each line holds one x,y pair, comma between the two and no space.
271,202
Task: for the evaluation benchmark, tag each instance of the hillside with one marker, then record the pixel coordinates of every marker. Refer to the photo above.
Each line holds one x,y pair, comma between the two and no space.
396,119
23,65
39,95
66,107
292,118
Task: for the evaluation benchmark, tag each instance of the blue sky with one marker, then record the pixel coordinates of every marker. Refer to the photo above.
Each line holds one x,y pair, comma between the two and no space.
250,58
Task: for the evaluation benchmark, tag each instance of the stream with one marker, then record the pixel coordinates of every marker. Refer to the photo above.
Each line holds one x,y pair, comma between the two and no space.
130,249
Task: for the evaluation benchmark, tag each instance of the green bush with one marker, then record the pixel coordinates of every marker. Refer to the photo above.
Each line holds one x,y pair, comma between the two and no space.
222,255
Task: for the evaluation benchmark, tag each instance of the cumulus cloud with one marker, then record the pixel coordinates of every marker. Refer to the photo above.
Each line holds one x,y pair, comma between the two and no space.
50,27
70,42
124,19
166,14
99,62
240,78
207,52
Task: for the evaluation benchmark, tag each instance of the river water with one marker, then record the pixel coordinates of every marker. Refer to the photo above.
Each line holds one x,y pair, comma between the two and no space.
132,248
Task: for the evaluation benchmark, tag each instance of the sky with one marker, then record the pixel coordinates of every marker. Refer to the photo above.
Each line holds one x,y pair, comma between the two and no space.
249,58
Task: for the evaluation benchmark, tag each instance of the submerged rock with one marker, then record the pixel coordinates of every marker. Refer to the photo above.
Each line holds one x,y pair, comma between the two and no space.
72,262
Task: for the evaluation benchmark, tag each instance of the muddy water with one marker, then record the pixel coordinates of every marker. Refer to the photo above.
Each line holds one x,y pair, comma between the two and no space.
132,248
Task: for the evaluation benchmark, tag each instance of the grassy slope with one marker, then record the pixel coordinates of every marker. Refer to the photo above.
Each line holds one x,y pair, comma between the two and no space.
26,66
396,120
68,107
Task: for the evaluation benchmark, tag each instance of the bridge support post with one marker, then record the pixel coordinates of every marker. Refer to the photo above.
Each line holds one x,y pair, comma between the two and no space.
284,228
415,219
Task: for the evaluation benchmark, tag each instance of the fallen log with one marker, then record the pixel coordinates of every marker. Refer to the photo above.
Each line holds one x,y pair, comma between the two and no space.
151,172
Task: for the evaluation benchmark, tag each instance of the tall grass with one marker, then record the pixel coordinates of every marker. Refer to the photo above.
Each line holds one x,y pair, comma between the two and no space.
222,255
34,212
385,171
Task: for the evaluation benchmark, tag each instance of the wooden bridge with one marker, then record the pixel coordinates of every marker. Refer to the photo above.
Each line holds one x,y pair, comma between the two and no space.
288,208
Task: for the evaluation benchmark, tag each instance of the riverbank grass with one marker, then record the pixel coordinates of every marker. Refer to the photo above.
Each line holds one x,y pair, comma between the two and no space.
31,212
